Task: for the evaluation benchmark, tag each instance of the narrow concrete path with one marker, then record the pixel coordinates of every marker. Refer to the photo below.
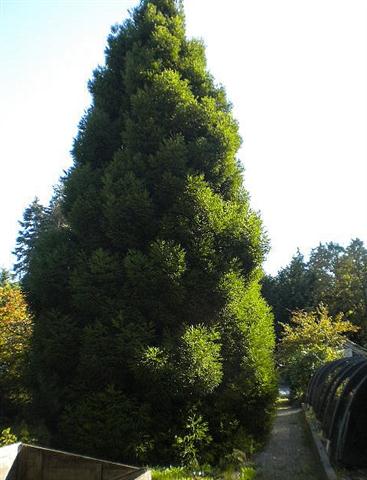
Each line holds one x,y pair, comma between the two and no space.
288,454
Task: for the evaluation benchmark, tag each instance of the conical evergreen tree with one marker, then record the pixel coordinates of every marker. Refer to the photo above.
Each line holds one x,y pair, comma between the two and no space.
31,226
157,345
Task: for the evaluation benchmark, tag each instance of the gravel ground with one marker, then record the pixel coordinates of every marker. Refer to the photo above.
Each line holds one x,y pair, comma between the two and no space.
288,454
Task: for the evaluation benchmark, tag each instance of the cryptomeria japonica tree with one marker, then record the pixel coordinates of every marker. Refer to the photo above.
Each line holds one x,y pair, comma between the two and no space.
152,340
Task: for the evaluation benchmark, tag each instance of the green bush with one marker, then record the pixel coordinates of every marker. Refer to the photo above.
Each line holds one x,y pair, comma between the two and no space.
308,341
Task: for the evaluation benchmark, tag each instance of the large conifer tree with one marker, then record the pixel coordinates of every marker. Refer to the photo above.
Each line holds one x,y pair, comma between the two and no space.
151,340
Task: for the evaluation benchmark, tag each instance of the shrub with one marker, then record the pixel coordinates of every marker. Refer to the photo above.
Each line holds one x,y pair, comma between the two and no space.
310,340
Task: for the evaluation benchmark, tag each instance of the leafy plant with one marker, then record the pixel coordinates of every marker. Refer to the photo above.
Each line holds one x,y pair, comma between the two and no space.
193,439
7,437
309,341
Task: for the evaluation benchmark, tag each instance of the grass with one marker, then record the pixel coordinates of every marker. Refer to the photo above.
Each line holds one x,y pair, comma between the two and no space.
180,473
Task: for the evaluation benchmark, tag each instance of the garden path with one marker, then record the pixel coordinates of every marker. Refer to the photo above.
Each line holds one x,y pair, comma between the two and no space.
288,454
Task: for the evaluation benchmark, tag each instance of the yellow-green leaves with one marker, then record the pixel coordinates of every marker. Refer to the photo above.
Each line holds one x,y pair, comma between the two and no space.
200,362
15,332
7,437
310,340
315,328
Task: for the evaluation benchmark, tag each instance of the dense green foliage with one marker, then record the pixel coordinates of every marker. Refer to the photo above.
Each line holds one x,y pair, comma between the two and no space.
309,341
151,341
333,275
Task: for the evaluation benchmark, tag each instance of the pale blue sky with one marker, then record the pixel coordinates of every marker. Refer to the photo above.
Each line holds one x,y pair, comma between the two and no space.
295,70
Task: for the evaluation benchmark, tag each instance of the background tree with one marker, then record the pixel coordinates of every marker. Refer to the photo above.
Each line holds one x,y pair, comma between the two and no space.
351,286
148,311
333,275
291,289
323,263
33,219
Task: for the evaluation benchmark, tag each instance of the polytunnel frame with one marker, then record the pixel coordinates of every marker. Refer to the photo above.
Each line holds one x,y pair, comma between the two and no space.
318,376
330,425
337,393
338,428
343,430
332,386
330,376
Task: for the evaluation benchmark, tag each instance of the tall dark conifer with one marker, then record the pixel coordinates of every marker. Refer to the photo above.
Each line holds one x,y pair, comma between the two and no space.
31,225
158,344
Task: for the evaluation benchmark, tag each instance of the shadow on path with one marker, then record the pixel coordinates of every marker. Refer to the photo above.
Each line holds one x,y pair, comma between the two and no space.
288,454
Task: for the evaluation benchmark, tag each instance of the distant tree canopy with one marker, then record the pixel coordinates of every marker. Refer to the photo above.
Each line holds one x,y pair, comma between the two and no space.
334,275
143,273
